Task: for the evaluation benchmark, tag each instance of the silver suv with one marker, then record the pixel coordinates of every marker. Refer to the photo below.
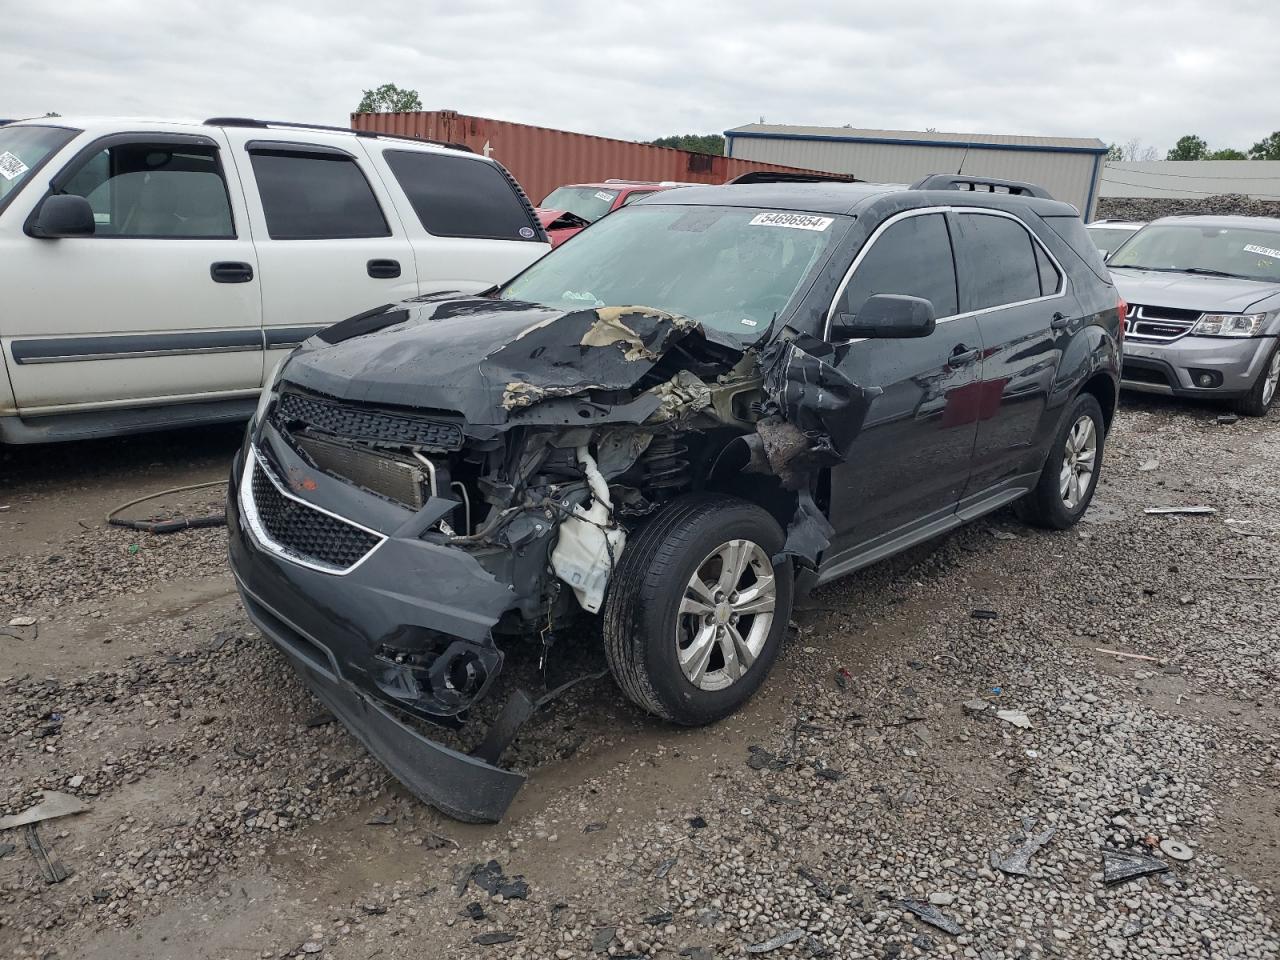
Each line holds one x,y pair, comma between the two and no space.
1204,309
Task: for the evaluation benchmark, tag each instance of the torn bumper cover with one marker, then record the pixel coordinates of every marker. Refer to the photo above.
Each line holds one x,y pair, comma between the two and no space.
341,640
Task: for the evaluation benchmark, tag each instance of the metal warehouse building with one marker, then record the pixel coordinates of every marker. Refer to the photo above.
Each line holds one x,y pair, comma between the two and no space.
1069,168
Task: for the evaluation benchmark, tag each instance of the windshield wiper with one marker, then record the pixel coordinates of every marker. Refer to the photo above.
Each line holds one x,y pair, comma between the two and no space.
1206,272
1138,266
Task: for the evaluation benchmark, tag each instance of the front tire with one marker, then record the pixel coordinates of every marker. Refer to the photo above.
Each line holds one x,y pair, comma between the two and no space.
1070,475
696,612
1259,399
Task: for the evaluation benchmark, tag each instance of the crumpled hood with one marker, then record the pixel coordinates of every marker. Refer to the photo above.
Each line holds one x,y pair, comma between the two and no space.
1189,291
486,359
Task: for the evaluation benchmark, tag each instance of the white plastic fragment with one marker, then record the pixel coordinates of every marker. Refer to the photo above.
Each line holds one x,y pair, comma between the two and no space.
1018,718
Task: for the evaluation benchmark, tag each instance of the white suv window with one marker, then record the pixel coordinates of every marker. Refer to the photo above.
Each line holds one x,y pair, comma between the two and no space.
461,197
316,195
158,190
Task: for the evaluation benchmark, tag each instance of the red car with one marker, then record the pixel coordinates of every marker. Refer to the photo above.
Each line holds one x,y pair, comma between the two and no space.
567,210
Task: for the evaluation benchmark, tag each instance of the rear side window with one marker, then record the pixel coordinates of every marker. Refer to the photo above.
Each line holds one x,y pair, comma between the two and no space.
1072,231
461,197
911,258
1001,261
1050,278
316,196
156,190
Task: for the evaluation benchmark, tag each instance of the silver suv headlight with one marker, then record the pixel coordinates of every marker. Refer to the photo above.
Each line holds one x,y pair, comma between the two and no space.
1229,325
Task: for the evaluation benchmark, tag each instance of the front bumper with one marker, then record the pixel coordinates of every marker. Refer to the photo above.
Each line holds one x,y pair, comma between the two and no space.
1170,368
337,631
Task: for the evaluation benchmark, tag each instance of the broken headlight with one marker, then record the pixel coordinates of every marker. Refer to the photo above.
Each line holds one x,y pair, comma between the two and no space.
1229,325
268,394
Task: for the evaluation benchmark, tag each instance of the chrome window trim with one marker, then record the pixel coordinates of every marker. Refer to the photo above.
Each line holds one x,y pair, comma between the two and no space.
249,510
922,211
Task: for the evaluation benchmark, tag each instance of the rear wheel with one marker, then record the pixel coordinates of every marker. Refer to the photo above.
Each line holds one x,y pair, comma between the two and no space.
696,612
1259,399
1070,475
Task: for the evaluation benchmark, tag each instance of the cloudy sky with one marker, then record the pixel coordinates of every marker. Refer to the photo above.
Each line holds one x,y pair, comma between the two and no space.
1114,70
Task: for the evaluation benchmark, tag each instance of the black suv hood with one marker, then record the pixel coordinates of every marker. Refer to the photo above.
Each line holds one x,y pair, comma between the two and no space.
487,359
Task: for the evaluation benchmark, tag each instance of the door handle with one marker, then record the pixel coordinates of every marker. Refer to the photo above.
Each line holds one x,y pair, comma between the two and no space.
383,269
1060,321
962,355
230,271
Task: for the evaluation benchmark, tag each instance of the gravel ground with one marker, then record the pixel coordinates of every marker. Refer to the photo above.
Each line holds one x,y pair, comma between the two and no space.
872,781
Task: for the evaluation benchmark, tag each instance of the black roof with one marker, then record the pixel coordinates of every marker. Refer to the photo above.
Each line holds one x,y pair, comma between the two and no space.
842,198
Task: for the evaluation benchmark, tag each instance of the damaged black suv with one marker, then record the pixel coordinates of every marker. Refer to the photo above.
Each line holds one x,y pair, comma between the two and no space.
709,401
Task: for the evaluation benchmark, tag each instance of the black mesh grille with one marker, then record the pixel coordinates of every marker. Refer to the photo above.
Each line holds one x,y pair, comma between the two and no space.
306,532
360,424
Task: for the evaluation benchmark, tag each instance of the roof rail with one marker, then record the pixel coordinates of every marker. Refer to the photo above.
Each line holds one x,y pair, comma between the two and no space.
779,176
959,181
368,134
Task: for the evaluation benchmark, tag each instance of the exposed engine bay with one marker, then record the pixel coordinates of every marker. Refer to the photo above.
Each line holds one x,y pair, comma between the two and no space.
519,447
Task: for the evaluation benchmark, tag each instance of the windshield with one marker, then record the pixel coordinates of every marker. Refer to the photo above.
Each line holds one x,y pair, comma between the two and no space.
731,268
1245,252
590,203
1109,238
22,149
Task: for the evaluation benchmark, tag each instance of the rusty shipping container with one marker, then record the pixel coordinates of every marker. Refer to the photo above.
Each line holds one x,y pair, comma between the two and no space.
542,159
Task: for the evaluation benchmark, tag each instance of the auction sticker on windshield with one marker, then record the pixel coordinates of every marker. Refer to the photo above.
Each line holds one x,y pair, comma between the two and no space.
797,221
1264,251
11,166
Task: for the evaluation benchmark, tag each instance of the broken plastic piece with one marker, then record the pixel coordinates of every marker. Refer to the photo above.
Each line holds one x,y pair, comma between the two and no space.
773,943
932,916
984,614
1018,863
1018,718
51,868
489,939
1178,851
1119,866
53,804
1197,511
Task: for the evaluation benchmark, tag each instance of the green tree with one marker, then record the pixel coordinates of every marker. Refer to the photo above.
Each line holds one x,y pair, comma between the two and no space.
1266,149
389,98
1115,152
1189,147
1226,153
711,143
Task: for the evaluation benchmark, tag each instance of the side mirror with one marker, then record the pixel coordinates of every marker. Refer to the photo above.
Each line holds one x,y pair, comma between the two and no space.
886,316
63,215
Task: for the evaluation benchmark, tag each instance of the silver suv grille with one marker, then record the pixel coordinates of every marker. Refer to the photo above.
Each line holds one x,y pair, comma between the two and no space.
1159,324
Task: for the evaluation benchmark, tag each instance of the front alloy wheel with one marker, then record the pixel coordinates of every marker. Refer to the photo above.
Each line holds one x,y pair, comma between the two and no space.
726,615
695,611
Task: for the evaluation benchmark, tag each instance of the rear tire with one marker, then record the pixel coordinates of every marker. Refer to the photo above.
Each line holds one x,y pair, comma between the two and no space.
1265,389
669,640
1057,502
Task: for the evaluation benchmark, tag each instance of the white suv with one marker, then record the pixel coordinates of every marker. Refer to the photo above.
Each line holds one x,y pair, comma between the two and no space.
154,273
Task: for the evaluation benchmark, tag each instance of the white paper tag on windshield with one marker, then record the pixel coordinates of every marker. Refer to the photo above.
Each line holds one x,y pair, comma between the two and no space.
797,221
605,195
1264,251
11,167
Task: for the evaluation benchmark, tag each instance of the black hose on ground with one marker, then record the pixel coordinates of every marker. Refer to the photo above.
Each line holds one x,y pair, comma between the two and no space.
168,526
